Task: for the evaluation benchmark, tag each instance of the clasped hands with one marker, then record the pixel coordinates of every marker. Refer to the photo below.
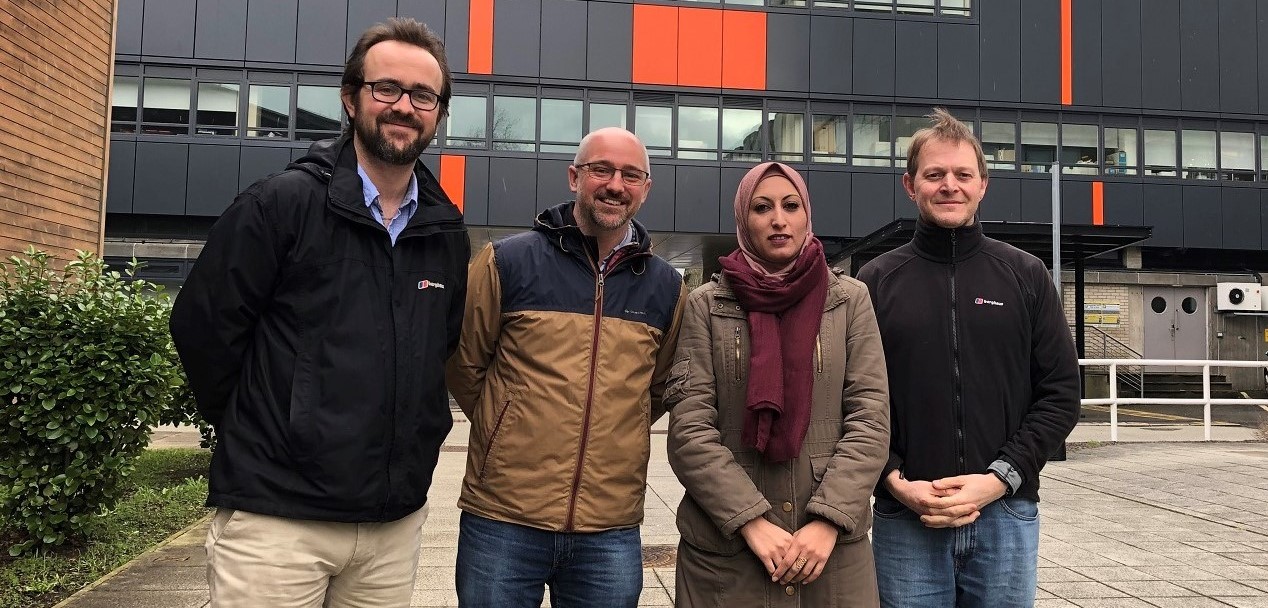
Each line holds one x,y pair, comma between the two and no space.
949,502
799,557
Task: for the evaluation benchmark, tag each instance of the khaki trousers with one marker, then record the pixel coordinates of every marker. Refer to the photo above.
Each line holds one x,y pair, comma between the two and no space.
258,560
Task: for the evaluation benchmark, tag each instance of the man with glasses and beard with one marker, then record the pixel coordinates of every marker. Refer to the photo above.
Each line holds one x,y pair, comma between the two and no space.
314,330
570,330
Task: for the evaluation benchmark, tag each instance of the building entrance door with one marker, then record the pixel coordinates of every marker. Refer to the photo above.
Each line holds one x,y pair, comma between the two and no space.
1175,324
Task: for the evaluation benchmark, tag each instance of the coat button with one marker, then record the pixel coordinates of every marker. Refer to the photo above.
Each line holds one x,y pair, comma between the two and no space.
737,306
790,590
788,507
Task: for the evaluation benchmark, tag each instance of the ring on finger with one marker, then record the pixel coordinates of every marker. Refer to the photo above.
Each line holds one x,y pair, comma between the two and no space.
800,563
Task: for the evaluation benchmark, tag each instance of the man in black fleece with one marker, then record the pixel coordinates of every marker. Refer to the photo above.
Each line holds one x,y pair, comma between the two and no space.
984,388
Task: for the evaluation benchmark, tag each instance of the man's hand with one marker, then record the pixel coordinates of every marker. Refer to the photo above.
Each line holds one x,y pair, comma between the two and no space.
937,507
958,492
767,541
808,554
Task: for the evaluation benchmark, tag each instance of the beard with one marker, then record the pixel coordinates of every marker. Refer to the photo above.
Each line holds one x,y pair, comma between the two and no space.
607,219
381,147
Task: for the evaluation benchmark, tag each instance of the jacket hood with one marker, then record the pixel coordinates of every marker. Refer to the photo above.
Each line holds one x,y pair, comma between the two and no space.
321,158
560,225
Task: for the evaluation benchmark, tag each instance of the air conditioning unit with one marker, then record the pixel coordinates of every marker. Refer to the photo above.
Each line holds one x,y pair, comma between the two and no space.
1238,296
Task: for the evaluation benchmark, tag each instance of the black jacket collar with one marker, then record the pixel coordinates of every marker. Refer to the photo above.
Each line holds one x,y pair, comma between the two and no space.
940,244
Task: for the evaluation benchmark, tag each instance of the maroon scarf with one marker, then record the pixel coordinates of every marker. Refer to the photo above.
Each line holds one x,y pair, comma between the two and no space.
783,321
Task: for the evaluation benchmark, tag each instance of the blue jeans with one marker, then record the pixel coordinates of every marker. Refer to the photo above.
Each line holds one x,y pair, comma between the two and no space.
502,565
989,563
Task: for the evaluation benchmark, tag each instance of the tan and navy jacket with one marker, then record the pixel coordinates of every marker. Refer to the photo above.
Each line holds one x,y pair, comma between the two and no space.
561,369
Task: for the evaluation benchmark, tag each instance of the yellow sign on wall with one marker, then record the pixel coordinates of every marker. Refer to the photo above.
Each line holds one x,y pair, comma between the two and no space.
1105,313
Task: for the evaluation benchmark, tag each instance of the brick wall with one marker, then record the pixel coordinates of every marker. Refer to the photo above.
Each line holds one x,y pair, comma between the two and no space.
1102,293
55,66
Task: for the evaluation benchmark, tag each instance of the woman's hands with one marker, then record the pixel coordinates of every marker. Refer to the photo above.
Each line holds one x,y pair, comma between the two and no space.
791,558
767,541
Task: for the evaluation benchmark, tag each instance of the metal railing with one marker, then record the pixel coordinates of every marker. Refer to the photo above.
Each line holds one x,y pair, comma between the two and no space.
1206,401
1099,345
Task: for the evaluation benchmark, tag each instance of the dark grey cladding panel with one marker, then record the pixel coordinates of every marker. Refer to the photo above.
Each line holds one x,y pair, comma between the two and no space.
731,177
517,37
1241,218
1263,215
1120,54
220,31
512,192
1002,201
873,57
831,54
1160,50
1085,64
432,162
259,161
429,12
563,39
831,200
364,13
657,212
213,177
159,182
788,46
271,28
914,53
1240,69
1263,62
552,183
127,37
1163,211
297,153
1076,202
1200,55
169,28
697,190
957,61
872,203
1124,204
609,40
1041,53
122,166
475,197
1000,73
1036,200
322,24
1202,216
457,24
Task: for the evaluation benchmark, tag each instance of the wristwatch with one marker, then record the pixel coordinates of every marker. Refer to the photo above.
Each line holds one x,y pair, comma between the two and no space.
1007,474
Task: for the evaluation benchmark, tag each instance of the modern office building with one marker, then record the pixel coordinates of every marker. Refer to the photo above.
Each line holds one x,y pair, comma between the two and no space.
1155,110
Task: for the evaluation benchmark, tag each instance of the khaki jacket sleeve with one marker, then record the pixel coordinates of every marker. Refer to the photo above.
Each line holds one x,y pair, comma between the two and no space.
707,469
665,356
844,495
481,326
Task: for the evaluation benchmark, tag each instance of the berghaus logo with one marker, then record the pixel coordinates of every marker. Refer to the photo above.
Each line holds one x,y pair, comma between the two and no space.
984,301
425,284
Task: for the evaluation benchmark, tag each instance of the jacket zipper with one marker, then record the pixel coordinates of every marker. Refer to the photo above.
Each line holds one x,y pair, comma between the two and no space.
391,319
956,398
818,354
585,419
737,353
497,426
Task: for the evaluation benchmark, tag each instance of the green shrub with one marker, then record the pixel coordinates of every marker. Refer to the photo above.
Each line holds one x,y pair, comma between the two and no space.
86,368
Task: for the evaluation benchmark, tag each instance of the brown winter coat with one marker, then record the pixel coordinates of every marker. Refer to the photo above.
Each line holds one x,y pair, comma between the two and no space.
728,484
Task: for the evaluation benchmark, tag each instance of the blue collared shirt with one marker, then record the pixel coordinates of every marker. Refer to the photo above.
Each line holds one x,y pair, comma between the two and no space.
408,206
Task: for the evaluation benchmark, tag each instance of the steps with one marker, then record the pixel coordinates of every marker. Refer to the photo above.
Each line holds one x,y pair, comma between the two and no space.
1180,385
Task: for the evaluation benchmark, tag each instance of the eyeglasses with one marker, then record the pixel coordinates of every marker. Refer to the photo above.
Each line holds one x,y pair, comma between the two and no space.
604,172
390,92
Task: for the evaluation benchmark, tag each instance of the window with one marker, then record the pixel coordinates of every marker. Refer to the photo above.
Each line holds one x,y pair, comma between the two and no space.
165,107
217,109
786,133
904,128
1120,151
999,145
123,104
915,7
607,115
958,8
317,112
1038,147
741,134
561,125
465,127
1263,158
654,126
1079,148
828,135
268,111
697,132
868,5
872,147
1160,153
514,123
1237,157
1197,150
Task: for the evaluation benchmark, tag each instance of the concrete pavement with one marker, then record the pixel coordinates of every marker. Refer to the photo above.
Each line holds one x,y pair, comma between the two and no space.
1124,525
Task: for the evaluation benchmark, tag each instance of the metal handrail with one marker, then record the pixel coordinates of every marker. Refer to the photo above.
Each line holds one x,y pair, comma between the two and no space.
1134,378
1206,401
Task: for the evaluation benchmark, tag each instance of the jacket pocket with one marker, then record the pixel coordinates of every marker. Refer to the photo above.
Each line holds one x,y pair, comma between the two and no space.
504,407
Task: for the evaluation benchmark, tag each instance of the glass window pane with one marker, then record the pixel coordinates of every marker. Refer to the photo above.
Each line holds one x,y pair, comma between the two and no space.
514,123
607,115
904,128
915,7
1160,153
654,126
1197,150
317,112
166,100
268,111
465,127
697,132
828,135
1263,158
1038,147
786,132
1078,149
999,144
958,8
1120,151
217,109
872,145
1237,156
123,104
741,134
561,123
871,5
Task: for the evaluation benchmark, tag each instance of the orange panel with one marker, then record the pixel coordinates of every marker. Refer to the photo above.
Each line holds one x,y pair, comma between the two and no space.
700,47
744,50
453,177
1098,203
480,38
1067,54
655,53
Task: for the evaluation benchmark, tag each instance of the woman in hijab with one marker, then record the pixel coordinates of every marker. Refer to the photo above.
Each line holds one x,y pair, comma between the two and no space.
779,420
